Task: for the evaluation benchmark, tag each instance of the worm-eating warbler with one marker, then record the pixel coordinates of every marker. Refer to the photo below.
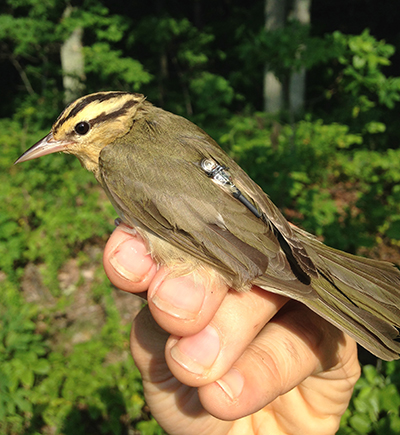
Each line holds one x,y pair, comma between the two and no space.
197,209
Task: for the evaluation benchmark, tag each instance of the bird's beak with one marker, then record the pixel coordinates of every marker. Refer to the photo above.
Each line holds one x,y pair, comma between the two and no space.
45,146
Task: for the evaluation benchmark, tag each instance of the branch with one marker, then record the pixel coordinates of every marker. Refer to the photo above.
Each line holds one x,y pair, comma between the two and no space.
23,75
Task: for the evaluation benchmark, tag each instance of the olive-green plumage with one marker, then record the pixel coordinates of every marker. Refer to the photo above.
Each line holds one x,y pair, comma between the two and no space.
149,162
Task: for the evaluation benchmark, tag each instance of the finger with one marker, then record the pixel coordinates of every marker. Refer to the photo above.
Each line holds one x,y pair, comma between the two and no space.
127,262
184,305
176,406
131,268
206,356
292,347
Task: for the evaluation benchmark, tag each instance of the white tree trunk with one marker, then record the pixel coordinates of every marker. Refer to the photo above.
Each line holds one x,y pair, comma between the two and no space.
73,63
275,17
297,82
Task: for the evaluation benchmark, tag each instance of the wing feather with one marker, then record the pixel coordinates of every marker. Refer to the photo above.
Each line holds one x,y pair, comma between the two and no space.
160,186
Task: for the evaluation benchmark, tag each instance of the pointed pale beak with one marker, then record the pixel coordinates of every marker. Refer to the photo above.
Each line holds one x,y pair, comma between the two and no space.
47,145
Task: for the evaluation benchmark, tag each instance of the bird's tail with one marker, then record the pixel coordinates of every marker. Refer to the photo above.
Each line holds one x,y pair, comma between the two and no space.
358,295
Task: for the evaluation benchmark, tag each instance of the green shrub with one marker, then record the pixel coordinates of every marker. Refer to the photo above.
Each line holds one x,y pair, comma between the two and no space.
321,177
52,198
22,359
91,387
375,406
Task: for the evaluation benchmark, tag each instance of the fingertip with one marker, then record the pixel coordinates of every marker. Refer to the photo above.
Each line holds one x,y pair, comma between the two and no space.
232,383
181,297
127,262
184,305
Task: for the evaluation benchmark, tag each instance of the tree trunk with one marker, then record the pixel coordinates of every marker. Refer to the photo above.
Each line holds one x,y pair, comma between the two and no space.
275,16
297,82
73,63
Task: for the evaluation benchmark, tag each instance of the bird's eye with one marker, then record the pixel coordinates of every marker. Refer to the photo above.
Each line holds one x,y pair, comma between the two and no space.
82,128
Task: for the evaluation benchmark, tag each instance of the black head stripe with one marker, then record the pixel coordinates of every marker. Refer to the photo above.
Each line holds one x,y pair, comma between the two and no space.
99,97
106,116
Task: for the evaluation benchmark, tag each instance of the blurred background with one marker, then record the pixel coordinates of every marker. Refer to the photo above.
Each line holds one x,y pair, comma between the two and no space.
304,95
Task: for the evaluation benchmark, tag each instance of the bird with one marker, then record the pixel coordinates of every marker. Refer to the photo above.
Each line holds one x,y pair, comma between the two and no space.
197,210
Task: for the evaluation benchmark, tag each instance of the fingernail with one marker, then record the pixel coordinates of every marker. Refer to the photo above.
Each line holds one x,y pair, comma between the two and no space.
198,352
131,260
180,297
232,383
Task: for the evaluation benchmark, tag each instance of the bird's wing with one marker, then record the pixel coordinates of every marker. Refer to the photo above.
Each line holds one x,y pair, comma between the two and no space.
171,196
168,193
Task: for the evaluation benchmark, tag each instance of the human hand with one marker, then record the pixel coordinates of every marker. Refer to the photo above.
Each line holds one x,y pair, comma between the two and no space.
215,361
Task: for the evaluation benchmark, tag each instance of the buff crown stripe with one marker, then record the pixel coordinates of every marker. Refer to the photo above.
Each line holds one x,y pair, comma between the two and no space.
98,97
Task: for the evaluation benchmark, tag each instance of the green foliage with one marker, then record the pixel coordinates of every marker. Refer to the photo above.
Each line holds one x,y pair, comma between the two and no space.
106,66
93,388
39,205
206,84
29,30
376,175
22,359
182,52
285,50
335,172
363,57
375,405
110,66
84,381
306,169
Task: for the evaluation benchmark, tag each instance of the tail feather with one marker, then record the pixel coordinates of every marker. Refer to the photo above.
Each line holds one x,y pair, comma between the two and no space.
373,331
365,290
357,294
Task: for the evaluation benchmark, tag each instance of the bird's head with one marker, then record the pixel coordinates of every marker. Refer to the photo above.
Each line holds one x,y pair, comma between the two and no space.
87,125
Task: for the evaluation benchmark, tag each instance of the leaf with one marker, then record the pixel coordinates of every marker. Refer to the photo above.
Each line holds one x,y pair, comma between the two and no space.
360,423
27,377
370,373
389,399
42,366
393,232
22,402
374,127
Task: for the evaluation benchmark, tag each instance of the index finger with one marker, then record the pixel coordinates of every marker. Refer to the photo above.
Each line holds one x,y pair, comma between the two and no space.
126,261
